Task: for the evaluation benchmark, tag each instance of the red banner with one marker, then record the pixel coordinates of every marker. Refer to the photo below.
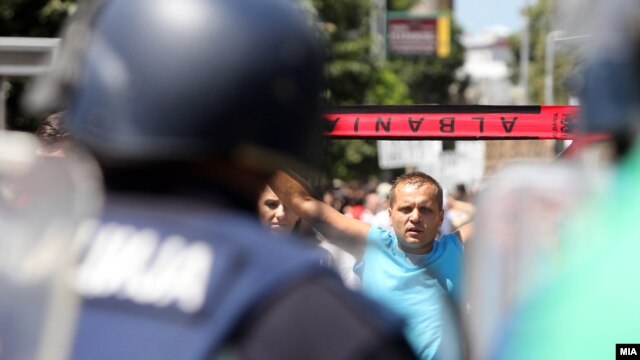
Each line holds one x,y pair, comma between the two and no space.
465,122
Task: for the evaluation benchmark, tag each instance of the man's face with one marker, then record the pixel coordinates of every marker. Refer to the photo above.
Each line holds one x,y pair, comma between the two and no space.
416,217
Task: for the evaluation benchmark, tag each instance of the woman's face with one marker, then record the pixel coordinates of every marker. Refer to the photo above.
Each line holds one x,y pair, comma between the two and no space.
273,214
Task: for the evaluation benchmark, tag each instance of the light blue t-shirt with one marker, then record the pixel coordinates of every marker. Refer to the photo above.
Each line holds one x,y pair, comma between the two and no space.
413,286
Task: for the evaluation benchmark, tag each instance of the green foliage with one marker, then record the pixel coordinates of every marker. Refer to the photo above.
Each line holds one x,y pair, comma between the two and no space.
397,5
349,72
353,159
387,89
347,16
33,18
540,25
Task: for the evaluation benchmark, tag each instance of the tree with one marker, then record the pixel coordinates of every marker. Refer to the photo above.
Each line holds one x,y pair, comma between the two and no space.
353,78
565,61
33,18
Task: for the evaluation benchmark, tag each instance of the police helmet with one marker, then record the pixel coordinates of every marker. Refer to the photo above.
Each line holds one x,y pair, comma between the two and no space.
156,80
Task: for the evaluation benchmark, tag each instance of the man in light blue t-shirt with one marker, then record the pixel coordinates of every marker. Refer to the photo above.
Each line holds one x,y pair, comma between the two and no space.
408,270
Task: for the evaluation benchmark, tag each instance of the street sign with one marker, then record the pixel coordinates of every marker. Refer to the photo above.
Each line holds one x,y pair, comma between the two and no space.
418,34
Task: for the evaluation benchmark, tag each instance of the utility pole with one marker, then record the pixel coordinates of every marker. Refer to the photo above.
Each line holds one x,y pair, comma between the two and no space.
377,24
524,56
3,105
556,36
549,57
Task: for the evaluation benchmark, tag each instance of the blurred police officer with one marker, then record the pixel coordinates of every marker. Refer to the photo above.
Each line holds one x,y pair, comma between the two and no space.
189,106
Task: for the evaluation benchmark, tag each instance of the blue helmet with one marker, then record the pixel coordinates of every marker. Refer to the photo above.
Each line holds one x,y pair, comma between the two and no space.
186,79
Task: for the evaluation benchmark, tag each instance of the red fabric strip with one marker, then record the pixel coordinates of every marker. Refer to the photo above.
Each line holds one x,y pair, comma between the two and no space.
455,123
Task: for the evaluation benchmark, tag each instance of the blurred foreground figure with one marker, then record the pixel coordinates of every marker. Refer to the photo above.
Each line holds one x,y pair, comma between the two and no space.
42,201
579,297
189,105
517,243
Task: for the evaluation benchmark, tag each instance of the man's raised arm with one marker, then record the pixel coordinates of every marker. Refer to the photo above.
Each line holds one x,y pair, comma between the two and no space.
348,233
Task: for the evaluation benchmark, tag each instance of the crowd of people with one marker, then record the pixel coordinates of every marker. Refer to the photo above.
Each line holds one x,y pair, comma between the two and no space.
212,242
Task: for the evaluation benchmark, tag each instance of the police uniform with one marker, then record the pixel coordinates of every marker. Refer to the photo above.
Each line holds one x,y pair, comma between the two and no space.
169,278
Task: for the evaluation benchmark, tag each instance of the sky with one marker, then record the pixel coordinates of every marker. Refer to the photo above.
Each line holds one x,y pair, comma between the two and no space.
476,15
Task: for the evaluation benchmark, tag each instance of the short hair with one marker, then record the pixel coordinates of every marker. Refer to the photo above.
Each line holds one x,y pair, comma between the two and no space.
419,179
53,133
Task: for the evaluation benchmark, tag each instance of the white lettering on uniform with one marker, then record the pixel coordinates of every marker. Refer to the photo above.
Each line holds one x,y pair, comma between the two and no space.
136,265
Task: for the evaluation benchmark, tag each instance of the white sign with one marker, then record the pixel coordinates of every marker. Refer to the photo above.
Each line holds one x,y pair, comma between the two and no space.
465,164
398,154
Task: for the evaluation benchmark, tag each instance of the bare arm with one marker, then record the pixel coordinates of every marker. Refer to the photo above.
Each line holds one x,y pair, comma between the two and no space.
348,233
464,212
465,232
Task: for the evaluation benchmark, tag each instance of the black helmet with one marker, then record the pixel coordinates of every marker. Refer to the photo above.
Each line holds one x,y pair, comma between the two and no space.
186,79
